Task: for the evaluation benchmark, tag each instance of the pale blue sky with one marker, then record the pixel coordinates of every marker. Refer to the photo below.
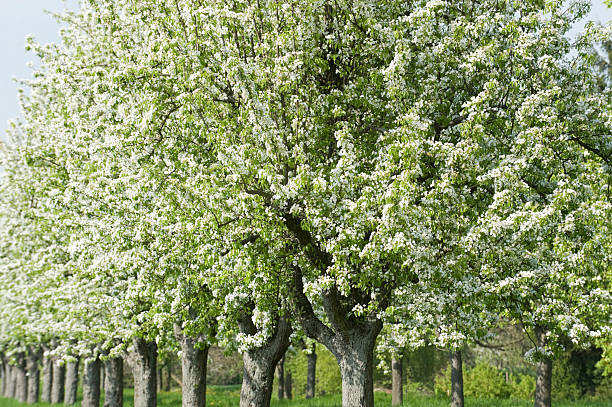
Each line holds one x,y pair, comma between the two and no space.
19,18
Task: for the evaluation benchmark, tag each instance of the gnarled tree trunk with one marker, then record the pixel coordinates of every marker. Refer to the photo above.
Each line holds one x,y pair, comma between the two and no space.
59,377
91,383
311,374
21,383
193,362
350,339
456,379
143,361
397,384
260,363
33,375
47,379
113,382
72,382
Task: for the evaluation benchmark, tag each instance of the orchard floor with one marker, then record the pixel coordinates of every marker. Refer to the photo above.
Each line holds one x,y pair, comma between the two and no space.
229,397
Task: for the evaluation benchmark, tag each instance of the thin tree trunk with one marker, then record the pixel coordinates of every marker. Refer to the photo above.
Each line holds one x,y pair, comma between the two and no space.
543,391
21,391
168,383
260,363
113,382
47,379
456,379
59,377
72,382
160,377
311,374
143,361
33,376
102,377
2,376
288,386
280,375
397,384
91,383
193,363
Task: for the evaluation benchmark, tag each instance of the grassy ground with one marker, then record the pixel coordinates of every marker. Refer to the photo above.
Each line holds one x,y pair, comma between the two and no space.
230,396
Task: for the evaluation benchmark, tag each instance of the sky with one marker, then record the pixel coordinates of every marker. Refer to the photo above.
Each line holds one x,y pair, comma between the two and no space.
19,18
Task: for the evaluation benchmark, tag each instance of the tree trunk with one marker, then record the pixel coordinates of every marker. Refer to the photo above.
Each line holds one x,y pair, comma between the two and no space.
57,388
193,364
102,377
2,376
543,393
456,379
47,380
143,361
113,382
160,377
12,382
72,383
168,375
397,384
311,374
288,386
21,390
350,338
356,360
260,363
91,383
280,375
33,376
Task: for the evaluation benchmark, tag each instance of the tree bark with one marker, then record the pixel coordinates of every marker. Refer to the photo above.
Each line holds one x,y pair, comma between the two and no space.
57,387
288,386
260,363
143,361
193,363
21,389
33,376
12,382
91,383
311,374
72,382
397,384
113,382
456,379
47,380
280,375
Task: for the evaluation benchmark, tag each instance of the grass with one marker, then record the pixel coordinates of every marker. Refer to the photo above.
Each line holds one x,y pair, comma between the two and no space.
229,396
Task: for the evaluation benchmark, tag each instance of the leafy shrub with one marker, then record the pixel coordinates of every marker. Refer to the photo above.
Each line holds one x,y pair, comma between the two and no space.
485,381
522,387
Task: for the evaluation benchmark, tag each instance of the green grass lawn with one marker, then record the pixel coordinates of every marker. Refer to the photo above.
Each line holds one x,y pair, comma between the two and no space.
229,396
